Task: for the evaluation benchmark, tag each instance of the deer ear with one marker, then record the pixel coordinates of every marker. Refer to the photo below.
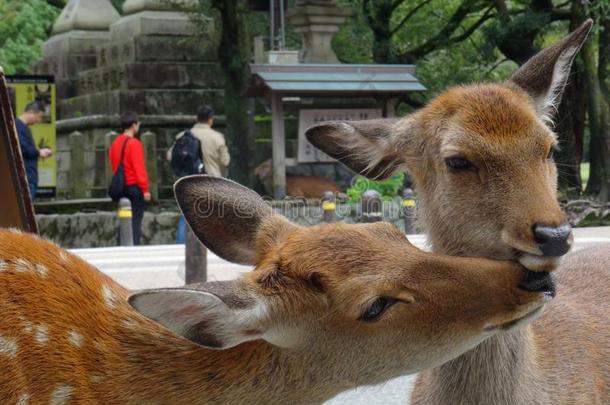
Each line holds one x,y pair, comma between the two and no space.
544,76
373,148
213,315
228,217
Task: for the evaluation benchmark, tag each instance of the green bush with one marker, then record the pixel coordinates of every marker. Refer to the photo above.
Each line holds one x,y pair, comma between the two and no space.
388,188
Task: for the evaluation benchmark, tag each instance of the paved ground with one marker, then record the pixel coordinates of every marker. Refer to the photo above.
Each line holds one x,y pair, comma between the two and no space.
163,266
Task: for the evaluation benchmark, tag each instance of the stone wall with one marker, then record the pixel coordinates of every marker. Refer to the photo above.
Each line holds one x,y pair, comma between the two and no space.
99,229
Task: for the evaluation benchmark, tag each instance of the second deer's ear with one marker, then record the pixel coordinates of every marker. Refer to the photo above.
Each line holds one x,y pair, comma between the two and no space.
373,148
544,76
215,315
228,218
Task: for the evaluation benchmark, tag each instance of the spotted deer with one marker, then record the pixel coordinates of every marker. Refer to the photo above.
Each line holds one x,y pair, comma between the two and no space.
326,309
481,157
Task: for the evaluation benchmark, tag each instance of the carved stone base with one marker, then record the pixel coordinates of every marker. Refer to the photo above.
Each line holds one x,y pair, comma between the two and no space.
317,25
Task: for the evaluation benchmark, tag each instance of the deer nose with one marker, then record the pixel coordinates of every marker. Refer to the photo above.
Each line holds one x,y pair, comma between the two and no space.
538,281
553,241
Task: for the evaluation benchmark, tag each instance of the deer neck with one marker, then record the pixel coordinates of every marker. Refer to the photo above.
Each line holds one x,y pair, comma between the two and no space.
181,372
499,371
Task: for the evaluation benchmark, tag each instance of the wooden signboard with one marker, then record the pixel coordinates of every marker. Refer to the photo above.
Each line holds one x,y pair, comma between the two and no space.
307,153
16,209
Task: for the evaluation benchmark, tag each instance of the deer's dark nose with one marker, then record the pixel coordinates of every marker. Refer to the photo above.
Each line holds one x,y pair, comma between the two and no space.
553,241
538,281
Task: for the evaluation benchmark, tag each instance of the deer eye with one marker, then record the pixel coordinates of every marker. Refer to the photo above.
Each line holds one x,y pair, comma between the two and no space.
459,163
377,308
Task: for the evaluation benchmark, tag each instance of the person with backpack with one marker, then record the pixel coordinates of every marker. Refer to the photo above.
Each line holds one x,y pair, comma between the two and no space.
127,155
213,153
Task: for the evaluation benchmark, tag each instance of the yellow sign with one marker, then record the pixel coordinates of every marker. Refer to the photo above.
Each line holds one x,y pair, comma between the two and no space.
23,90
409,202
328,205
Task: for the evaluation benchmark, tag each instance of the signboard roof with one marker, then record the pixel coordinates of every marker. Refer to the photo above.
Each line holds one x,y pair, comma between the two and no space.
333,80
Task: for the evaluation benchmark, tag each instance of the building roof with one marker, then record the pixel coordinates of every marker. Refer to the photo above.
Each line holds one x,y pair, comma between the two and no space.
333,80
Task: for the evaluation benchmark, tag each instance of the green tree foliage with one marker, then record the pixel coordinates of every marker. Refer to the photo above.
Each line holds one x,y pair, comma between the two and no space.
388,188
24,26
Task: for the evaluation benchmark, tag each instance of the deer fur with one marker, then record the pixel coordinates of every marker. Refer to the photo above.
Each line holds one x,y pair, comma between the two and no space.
490,210
288,332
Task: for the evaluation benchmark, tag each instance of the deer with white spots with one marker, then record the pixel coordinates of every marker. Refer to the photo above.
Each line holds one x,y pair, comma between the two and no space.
481,157
326,309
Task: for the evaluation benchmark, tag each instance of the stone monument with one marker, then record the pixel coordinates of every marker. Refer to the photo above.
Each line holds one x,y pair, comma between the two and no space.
317,22
79,29
151,60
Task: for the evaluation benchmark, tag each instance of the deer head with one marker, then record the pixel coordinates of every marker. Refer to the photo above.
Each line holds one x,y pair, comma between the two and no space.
359,300
481,157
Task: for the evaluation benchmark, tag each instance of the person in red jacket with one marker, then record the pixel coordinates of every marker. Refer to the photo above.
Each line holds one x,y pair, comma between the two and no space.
136,177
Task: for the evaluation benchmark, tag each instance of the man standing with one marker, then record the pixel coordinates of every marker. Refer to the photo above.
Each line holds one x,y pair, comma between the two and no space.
215,153
136,177
214,150
32,115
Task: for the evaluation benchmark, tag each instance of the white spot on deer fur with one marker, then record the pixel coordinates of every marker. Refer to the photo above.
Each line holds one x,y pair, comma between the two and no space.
24,399
8,346
109,295
75,338
42,334
22,265
41,270
63,257
3,265
15,230
28,327
130,323
61,395
96,378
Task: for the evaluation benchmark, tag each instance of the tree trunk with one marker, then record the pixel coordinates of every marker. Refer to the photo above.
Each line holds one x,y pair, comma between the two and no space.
570,126
234,56
599,124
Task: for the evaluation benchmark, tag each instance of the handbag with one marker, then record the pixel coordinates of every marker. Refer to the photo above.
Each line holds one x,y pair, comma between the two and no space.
117,184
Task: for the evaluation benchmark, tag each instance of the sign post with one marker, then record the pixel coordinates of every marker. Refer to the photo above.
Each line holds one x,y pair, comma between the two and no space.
16,206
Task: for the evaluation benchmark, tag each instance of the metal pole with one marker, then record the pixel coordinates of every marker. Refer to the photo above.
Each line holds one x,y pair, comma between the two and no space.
272,24
329,206
125,228
282,31
371,206
408,209
278,146
195,259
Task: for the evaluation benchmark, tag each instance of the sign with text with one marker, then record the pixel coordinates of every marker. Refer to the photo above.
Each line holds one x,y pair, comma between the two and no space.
16,207
308,153
22,91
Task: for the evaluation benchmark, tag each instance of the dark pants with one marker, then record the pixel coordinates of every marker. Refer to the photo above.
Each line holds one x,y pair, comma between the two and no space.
134,194
33,189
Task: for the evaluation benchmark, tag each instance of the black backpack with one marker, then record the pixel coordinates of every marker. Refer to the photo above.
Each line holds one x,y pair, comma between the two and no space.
117,185
187,157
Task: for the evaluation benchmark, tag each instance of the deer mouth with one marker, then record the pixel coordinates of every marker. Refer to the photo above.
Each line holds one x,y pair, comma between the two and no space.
538,263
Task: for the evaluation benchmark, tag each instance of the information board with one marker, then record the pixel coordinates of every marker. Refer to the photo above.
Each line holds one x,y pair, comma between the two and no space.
308,153
22,91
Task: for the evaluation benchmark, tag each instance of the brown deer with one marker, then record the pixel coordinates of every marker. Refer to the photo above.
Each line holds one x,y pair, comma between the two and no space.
326,309
481,157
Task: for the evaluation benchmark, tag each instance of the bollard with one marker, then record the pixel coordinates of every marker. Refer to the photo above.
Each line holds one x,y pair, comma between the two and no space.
408,209
125,227
195,259
329,206
371,206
